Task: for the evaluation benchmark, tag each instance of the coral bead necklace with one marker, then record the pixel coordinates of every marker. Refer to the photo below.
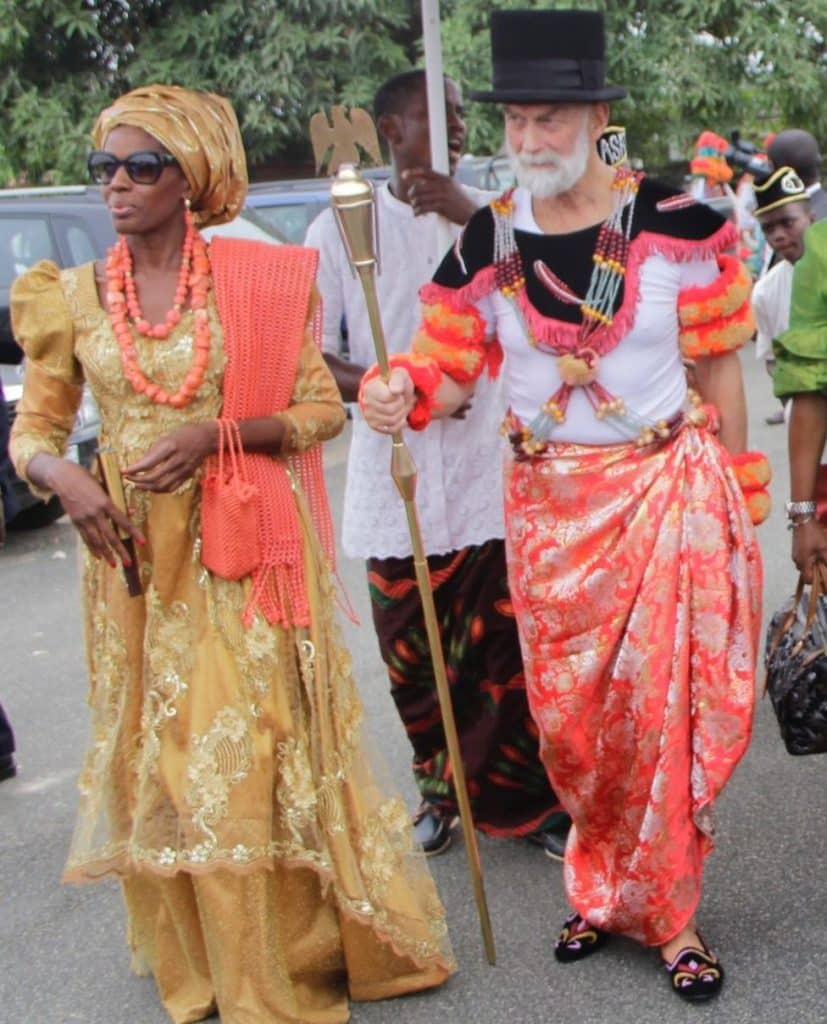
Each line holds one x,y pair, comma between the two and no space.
123,305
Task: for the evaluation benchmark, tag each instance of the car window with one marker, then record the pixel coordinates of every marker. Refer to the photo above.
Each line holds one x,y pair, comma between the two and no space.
81,245
499,174
248,224
290,220
23,241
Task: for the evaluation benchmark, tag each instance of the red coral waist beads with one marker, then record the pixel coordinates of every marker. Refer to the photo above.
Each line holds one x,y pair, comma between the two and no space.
122,302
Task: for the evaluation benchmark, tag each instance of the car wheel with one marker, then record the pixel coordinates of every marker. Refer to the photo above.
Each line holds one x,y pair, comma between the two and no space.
44,513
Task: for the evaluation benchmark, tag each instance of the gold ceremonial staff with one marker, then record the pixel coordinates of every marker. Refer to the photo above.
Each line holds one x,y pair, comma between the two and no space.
352,199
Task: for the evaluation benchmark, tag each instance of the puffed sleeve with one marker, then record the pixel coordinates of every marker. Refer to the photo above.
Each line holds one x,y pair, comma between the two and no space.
457,329
316,412
801,352
53,381
714,313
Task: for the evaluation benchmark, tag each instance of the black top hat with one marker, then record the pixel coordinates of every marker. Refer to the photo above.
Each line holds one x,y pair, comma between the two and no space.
548,57
783,186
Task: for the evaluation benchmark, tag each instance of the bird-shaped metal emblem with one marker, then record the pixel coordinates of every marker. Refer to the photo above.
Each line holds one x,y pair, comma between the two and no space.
344,135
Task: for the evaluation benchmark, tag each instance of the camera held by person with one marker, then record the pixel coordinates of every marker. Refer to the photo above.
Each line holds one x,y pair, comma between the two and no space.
747,157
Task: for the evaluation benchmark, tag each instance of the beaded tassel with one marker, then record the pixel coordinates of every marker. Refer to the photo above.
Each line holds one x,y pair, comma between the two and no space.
610,256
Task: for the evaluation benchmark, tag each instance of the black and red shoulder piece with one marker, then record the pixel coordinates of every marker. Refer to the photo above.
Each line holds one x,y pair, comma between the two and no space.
664,210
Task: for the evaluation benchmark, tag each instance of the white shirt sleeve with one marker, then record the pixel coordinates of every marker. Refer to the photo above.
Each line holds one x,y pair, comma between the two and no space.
324,236
764,324
486,309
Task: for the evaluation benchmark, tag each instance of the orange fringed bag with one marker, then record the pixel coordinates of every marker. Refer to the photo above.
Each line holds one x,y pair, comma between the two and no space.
229,536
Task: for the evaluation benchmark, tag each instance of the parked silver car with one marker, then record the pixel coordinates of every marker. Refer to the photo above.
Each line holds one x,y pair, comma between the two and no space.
68,226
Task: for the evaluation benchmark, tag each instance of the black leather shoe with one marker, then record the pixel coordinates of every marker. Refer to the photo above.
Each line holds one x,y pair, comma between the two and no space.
695,974
432,829
552,840
8,769
578,939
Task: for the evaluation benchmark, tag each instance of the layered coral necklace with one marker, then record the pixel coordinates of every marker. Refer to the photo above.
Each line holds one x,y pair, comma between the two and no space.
126,316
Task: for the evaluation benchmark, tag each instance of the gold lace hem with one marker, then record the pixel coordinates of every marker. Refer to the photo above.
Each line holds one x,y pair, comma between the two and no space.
121,863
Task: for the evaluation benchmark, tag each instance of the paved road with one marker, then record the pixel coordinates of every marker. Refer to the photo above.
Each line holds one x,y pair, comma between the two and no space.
62,953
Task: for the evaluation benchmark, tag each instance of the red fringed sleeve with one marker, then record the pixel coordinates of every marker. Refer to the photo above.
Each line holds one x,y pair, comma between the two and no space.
717,318
455,340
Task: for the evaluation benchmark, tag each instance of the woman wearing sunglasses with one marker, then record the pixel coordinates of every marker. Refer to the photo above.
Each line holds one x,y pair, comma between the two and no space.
263,872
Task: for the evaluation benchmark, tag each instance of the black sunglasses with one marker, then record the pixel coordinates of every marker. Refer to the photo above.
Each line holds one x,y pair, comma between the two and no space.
144,168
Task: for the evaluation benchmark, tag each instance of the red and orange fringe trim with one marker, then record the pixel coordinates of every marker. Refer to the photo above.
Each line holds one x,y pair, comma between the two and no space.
455,339
717,318
753,473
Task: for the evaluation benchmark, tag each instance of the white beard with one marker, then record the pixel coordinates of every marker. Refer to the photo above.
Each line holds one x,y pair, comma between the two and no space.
534,174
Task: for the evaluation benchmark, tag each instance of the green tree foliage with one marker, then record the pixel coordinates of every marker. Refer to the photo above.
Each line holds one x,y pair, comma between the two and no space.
279,61
755,65
52,60
689,65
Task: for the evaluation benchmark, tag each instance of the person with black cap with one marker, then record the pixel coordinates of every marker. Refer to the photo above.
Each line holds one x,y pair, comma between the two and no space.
783,211
633,563
797,148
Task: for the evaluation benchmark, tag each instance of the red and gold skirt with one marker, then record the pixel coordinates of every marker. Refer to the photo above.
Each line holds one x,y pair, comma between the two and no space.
636,579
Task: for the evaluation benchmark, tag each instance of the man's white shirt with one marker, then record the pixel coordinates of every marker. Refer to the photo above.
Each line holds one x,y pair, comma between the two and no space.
459,462
771,306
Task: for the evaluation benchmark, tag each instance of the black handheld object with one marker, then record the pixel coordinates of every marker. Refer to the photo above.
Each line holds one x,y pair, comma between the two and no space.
744,156
109,473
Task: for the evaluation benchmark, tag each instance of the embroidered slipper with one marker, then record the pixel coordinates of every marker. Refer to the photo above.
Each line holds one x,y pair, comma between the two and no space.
578,939
695,974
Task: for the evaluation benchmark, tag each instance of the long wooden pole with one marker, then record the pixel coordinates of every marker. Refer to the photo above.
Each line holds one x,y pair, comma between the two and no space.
437,122
353,206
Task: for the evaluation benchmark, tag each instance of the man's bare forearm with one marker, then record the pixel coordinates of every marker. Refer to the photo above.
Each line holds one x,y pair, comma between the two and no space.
721,384
808,432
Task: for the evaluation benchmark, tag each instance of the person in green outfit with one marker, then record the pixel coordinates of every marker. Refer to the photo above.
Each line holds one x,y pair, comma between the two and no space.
801,375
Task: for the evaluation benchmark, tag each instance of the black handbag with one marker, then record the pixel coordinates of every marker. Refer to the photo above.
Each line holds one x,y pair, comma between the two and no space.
796,663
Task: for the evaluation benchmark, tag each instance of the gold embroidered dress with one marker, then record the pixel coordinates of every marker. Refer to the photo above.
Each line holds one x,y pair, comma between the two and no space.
225,782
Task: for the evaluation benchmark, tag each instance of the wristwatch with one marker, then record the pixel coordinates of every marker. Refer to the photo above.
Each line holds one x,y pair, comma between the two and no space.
799,508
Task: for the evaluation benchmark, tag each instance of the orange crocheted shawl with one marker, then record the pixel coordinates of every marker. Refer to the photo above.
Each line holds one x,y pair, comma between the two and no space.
263,294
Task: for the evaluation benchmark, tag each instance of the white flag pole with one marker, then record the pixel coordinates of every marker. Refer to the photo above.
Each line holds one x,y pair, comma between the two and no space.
435,82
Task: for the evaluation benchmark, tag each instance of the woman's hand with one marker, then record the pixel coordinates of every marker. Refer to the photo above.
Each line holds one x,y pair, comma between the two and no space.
385,406
809,546
173,459
96,518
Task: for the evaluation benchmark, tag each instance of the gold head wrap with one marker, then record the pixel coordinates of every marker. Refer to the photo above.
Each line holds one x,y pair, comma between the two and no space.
201,131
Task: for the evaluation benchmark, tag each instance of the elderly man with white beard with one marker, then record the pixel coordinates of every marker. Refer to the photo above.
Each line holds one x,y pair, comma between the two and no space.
633,563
